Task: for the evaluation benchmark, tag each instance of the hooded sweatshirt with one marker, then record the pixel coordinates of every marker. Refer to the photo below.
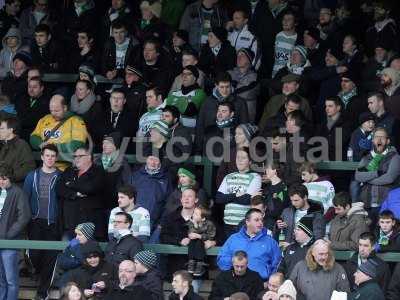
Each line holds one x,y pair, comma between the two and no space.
6,55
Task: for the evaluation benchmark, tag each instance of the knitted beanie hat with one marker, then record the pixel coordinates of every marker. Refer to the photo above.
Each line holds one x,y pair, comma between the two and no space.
186,172
91,248
306,224
366,116
24,56
87,230
133,69
287,288
220,33
87,69
249,53
302,50
147,258
162,127
249,130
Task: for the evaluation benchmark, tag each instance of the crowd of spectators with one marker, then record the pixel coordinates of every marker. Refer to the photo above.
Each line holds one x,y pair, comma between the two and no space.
265,89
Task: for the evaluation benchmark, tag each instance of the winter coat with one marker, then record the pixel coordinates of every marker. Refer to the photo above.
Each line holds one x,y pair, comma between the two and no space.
392,103
85,276
108,62
213,64
275,105
377,184
228,283
72,22
31,189
152,192
319,284
15,214
276,200
394,242
383,271
136,102
28,24
50,58
243,38
18,155
174,201
360,143
393,291
75,59
128,293
316,211
392,202
218,149
292,255
177,84
206,229
386,31
13,86
29,113
6,55
368,290
117,175
105,121
208,113
355,107
174,229
193,21
191,295
346,230
333,135
180,133
151,281
90,184
263,252
118,250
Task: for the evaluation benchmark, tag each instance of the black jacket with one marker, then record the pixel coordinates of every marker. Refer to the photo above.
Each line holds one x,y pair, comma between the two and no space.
345,124
136,101
191,295
15,214
75,59
30,112
227,283
131,292
292,255
108,61
368,290
224,61
85,276
213,131
50,58
151,281
394,242
13,87
383,276
122,249
393,291
90,184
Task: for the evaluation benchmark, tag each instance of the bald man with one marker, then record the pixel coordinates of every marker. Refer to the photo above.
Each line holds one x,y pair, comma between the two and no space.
126,289
61,128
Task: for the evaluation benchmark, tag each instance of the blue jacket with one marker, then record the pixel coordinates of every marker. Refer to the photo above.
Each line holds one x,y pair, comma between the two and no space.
263,252
392,203
152,192
31,185
360,143
71,257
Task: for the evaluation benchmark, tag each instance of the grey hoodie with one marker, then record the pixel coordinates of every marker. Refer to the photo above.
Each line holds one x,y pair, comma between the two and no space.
6,55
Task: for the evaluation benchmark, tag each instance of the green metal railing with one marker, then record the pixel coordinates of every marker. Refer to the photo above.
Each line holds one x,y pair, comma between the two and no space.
159,248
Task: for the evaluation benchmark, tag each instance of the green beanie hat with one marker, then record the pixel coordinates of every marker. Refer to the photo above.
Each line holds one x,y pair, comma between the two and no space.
186,172
163,128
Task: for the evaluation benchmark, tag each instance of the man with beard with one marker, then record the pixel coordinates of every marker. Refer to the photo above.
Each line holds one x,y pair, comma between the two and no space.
390,81
379,172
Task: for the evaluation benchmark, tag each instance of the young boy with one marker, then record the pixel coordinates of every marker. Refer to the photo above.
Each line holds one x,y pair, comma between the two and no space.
388,233
275,194
285,41
361,138
200,230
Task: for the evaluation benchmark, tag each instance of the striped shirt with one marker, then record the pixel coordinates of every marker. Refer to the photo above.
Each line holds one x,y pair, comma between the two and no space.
3,196
141,221
322,192
238,183
284,45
